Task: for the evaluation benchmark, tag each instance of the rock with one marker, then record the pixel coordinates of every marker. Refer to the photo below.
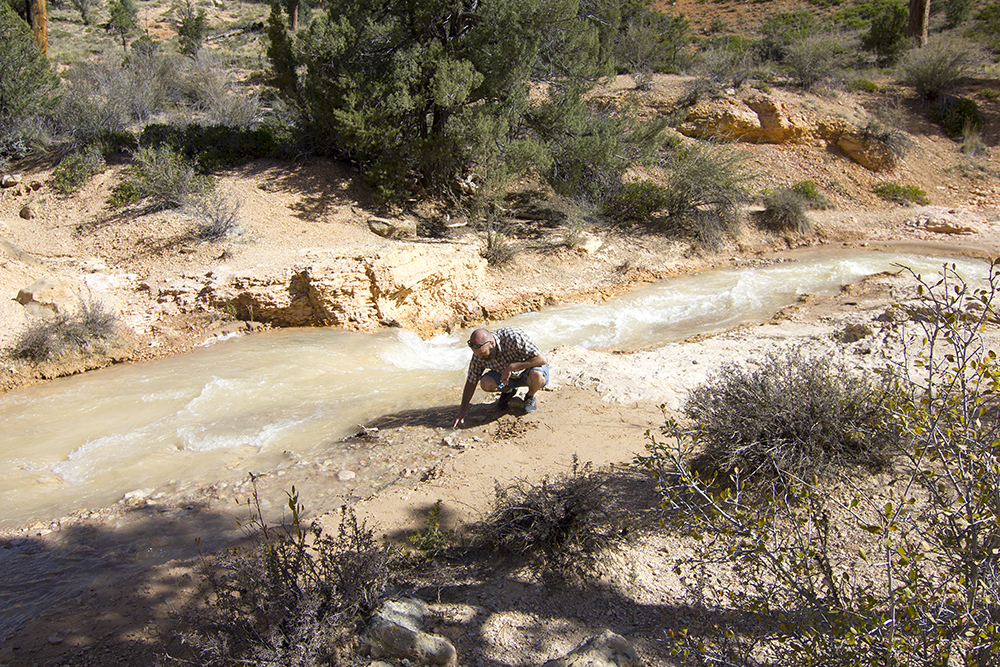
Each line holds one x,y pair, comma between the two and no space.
942,220
417,287
760,119
28,212
393,229
10,180
872,155
346,475
138,498
47,297
396,630
604,650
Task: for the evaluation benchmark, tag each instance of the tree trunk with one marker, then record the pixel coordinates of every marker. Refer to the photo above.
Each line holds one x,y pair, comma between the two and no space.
293,15
39,24
920,12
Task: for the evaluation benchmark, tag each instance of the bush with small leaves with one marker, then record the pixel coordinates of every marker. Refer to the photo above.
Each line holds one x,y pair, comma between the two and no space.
162,177
817,60
902,194
785,211
497,248
217,214
76,169
563,524
789,415
728,62
92,329
919,586
936,68
813,197
704,192
636,202
289,594
957,115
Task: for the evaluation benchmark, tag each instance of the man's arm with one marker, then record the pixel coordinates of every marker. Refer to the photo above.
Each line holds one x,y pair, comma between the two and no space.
470,389
537,360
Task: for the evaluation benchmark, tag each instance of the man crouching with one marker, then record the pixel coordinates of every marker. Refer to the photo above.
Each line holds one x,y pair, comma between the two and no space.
513,361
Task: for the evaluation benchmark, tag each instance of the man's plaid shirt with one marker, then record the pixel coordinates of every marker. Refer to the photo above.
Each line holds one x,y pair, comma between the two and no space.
512,346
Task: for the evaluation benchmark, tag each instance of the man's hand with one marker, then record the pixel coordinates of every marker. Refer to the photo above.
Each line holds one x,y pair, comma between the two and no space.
459,419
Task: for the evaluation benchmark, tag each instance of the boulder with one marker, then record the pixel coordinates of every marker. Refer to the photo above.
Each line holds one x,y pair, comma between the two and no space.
397,228
871,154
605,650
28,212
10,180
760,119
396,630
47,297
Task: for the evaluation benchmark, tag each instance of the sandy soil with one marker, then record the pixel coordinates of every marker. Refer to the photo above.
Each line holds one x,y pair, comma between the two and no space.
108,586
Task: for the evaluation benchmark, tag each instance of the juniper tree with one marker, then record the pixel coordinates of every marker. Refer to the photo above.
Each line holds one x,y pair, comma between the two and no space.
416,92
26,80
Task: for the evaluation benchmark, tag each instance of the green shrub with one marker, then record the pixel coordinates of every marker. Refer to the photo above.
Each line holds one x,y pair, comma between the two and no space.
781,30
810,193
92,329
432,541
218,147
818,59
986,27
936,68
789,416
957,12
886,36
161,176
989,93
562,524
636,202
704,192
785,211
192,29
26,80
862,85
902,194
860,15
76,169
957,116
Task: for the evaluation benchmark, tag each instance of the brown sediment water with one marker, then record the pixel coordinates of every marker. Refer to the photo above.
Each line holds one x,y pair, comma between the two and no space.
259,403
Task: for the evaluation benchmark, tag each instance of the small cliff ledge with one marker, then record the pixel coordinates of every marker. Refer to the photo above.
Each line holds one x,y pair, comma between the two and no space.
419,287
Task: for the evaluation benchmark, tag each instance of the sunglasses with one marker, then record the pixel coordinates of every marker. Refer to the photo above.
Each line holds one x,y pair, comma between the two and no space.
476,347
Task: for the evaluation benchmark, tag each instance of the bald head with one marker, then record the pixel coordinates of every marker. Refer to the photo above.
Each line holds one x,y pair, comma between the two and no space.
479,336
